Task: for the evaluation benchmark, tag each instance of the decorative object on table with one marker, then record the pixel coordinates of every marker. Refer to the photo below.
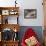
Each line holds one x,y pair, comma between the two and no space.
30,38
30,13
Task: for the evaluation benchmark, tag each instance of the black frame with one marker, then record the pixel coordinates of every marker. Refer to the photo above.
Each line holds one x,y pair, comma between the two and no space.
32,12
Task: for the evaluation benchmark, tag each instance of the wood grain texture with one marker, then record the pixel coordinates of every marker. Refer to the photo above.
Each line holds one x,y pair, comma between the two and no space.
11,26
44,6
9,43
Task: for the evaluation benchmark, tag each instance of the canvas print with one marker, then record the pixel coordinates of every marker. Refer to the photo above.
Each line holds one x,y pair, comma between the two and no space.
5,12
30,13
31,35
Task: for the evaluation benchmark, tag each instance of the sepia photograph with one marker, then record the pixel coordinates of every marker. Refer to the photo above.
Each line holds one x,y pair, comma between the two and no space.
30,13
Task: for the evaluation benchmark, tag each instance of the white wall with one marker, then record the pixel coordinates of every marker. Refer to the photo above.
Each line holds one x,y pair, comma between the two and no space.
7,3
27,4
32,4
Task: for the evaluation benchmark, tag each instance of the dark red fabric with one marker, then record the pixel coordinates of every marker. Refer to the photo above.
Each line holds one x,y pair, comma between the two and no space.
29,33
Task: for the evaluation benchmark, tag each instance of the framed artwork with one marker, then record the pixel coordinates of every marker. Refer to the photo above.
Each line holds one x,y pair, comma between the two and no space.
30,13
5,12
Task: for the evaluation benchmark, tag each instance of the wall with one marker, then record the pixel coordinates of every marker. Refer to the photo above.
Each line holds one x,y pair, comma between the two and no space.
32,4
27,4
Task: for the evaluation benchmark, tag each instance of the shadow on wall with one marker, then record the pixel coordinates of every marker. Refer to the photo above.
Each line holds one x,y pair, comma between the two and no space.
37,29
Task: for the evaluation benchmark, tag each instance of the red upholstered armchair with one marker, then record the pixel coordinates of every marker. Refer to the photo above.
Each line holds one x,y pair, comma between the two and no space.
30,38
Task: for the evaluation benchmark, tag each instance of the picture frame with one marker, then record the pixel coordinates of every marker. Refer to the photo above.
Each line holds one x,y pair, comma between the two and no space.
30,13
5,12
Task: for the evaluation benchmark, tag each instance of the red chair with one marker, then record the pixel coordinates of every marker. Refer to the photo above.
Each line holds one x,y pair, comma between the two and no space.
29,33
